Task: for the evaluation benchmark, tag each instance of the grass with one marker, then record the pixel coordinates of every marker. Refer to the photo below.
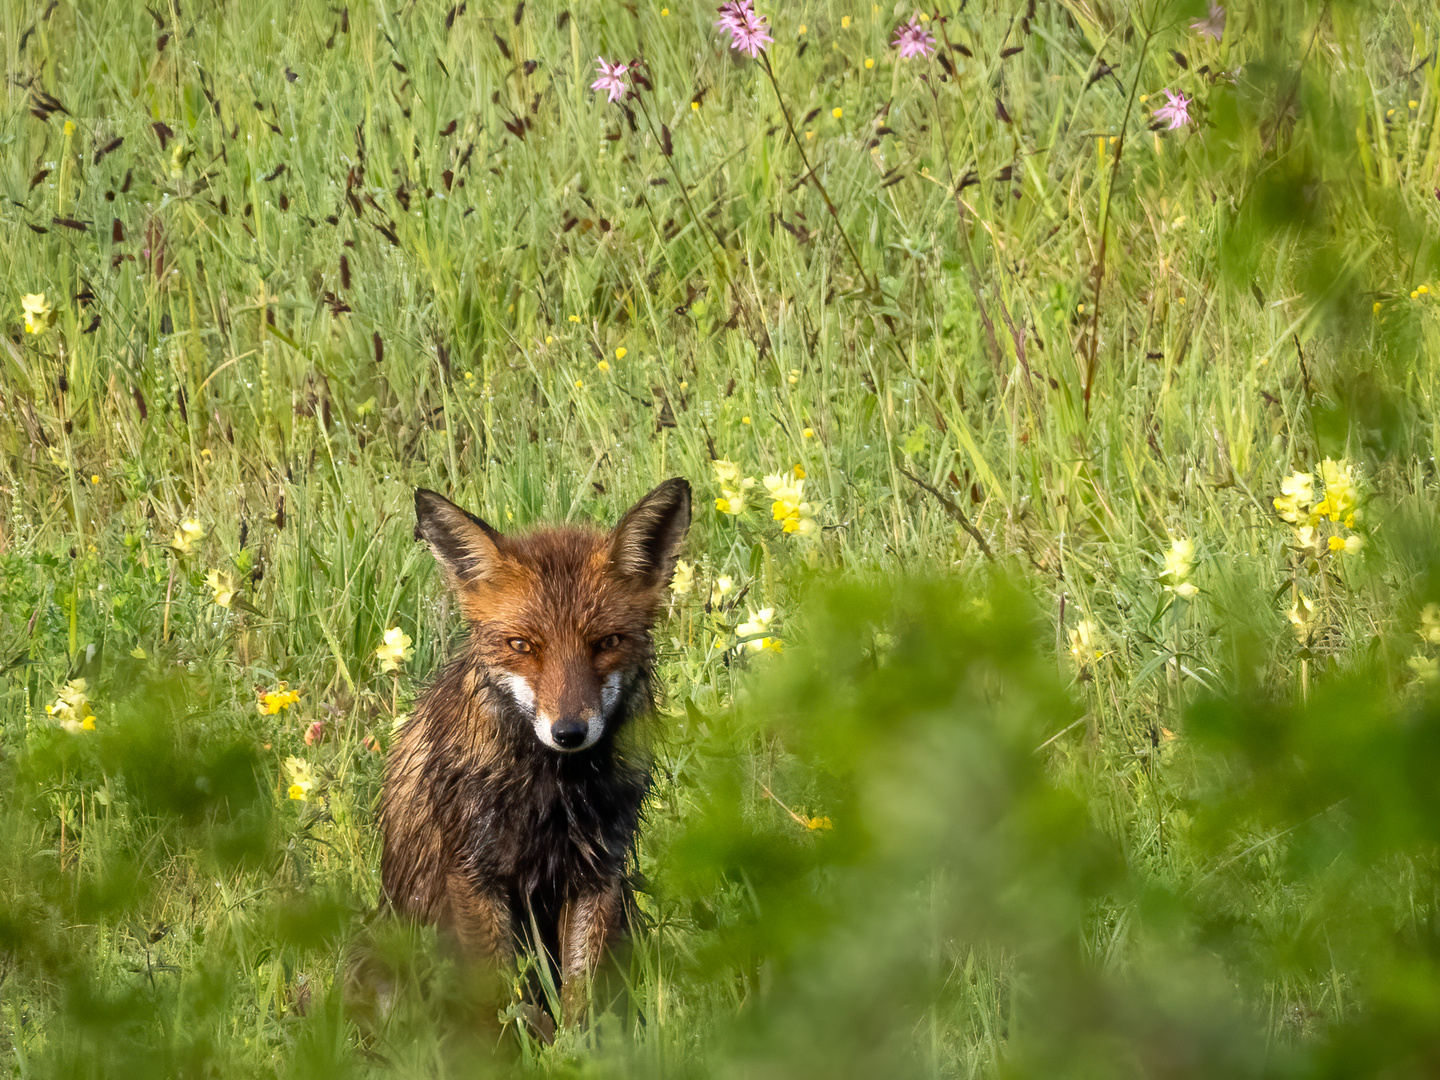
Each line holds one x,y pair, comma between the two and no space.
301,259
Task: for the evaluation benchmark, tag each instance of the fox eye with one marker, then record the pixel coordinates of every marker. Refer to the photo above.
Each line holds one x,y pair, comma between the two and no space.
519,644
610,641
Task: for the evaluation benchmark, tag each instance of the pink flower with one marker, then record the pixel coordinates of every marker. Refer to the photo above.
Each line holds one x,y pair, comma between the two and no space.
315,732
612,78
1176,111
748,31
1213,24
912,40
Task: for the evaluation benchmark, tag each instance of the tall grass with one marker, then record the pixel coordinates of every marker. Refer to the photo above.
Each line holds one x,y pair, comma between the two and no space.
1044,815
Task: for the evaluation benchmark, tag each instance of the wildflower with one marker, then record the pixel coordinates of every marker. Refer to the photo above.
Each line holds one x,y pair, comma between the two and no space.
1213,24
837,112
1347,545
752,632
612,79
1309,543
371,743
72,707
1176,111
190,533
70,128
1083,640
1179,561
808,433
603,365
222,587
869,62
1426,668
844,22
1430,623
788,505
749,32
732,487
722,588
302,780
1301,615
395,650
683,579
36,312
277,701
315,732
1341,490
913,40
1297,492
817,823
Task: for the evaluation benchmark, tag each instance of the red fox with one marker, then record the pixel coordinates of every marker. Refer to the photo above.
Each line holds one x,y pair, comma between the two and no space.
514,794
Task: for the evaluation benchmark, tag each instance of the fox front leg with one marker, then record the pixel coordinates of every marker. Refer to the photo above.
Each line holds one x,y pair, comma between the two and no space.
590,923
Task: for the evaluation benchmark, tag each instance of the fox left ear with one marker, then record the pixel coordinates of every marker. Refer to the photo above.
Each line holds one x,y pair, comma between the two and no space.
646,542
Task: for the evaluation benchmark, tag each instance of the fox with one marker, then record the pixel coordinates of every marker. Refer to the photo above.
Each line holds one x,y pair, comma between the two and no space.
514,795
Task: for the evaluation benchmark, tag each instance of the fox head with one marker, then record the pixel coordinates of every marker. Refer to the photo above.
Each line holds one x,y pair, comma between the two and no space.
561,617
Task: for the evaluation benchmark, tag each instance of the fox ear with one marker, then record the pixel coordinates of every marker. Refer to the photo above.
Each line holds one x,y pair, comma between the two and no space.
465,547
646,542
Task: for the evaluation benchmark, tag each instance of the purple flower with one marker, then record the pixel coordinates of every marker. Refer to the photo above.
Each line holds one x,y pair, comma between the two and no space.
748,31
912,40
1213,24
1176,111
612,78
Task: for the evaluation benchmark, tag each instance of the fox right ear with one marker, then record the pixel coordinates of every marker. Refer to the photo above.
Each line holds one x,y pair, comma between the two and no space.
466,548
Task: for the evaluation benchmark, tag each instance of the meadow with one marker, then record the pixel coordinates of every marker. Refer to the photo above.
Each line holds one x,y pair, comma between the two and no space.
1052,682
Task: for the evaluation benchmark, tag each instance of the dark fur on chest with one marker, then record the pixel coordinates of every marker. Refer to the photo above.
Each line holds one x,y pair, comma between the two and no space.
472,790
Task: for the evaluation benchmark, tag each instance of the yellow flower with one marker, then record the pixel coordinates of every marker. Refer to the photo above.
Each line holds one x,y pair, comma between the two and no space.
1084,639
683,579
744,420
808,433
1341,491
190,533
579,385
869,62
574,318
620,353
837,112
820,823
1430,623
395,650
754,630
36,312
844,22
732,487
1179,560
222,587
70,127
302,780
802,28
1426,668
277,701
1301,615
664,12
722,588
1375,308
1423,290
788,505
72,707
603,365
694,106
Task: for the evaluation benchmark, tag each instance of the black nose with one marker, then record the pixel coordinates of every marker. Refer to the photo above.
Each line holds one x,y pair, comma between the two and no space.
569,734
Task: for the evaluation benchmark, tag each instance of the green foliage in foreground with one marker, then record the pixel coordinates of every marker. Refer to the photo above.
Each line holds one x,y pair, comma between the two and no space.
1052,788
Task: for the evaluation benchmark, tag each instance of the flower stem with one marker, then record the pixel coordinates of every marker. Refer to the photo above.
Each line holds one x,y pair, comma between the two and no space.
815,177
684,193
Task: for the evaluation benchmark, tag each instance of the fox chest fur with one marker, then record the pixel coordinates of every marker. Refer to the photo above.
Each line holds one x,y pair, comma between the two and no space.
514,794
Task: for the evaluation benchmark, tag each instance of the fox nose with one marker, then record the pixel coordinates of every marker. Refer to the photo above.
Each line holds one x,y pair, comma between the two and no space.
569,734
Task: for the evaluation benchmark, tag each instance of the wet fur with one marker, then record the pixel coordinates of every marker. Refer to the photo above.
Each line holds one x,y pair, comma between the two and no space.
488,831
